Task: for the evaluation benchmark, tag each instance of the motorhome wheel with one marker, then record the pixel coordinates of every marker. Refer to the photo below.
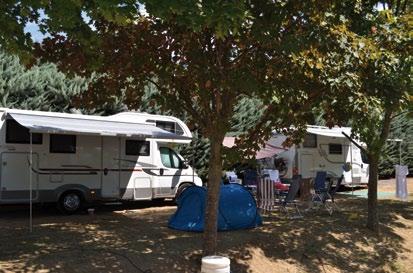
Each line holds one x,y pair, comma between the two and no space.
181,189
70,202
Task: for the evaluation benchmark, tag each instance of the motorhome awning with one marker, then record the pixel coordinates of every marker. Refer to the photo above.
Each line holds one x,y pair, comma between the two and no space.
333,132
96,126
268,150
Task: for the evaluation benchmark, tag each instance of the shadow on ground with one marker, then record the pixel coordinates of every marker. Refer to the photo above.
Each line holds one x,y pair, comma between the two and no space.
134,238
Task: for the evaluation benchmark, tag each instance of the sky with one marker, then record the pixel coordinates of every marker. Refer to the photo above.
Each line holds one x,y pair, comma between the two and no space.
33,29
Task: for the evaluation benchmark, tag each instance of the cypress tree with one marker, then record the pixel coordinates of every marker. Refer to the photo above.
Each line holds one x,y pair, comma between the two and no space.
394,152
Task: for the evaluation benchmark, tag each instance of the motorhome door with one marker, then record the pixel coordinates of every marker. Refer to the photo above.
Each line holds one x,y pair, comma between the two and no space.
307,166
172,171
15,177
110,167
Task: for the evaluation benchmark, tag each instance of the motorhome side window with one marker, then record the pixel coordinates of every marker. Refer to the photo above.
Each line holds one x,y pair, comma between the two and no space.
137,147
179,130
310,141
65,144
170,159
16,133
335,149
169,126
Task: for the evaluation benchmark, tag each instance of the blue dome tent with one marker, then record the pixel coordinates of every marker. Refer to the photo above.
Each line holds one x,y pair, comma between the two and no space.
237,209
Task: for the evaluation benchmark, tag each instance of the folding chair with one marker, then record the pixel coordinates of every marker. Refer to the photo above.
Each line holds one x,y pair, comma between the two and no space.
332,192
321,192
290,199
319,185
266,194
324,195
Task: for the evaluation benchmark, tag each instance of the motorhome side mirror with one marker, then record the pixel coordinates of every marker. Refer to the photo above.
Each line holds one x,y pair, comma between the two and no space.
184,165
161,171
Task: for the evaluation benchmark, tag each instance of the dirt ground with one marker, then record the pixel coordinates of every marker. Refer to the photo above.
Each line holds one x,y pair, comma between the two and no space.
135,238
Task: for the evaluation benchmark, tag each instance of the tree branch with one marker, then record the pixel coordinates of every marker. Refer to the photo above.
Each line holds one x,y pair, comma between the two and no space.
401,113
386,126
188,105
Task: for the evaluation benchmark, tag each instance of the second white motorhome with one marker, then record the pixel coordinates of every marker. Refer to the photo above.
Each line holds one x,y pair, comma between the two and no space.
323,149
73,159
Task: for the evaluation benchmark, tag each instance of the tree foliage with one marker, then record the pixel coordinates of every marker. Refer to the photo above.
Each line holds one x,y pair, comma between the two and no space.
41,87
394,152
203,60
369,72
205,57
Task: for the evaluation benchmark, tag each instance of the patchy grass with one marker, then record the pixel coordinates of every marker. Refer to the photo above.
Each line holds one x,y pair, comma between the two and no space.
135,238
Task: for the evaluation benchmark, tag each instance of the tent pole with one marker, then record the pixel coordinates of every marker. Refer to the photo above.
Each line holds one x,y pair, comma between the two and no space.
400,153
31,186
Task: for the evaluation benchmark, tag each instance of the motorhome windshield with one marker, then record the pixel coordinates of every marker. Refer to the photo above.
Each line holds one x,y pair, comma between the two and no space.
364,157
170,158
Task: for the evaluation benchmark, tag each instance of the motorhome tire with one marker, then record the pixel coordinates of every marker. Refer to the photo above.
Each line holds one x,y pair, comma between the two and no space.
70,202
181,189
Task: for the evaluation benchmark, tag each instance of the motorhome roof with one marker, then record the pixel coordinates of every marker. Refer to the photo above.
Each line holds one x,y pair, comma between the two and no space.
134,115
331,132
63,123
150,118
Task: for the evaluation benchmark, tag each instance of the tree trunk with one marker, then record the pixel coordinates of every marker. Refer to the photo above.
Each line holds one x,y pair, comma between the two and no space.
373,217
374,152
214,183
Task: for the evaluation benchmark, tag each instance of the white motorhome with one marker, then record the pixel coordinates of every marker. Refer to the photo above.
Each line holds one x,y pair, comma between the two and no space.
323,149
73,159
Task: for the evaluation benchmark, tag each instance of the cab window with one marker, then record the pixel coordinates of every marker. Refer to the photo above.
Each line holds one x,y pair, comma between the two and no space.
170,158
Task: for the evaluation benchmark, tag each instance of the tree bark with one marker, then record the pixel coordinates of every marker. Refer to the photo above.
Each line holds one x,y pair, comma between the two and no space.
214,183
374,157
373,217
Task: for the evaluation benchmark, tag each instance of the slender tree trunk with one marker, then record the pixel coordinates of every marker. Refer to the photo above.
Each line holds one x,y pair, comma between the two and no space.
214,182
374,157
373,217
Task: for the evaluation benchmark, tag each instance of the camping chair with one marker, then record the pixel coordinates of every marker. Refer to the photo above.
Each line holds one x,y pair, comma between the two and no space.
250,180
266,194
319,186
321,192
328,194
290,198
332,193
